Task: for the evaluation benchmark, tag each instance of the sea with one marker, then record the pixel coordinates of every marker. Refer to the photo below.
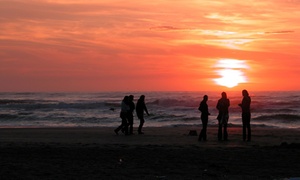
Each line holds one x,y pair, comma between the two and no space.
272,109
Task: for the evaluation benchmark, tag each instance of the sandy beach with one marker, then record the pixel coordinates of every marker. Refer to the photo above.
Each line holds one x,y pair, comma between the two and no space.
161,153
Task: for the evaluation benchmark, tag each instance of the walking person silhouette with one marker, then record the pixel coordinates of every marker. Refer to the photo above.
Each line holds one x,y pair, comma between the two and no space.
124,115
140,108
130,113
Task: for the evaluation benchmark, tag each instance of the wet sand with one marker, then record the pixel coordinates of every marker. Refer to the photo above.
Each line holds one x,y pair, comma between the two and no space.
161,153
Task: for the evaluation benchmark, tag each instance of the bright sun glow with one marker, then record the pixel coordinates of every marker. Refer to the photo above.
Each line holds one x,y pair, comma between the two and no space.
231,72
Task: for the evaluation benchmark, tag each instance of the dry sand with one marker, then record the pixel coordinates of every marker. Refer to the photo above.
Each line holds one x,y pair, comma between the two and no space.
161,153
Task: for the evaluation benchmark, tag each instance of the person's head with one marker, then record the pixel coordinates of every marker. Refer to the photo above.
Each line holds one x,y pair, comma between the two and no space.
245,93
125,99
131,97
205,97
224,95
142,97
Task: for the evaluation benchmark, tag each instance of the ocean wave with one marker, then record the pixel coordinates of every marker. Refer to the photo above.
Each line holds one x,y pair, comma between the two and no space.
166,108
266,110
8,116
38,105
166,117
169,102
283,117
12,101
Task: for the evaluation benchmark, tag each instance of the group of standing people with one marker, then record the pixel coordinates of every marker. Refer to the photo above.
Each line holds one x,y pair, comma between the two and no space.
223,116
126,114
128,107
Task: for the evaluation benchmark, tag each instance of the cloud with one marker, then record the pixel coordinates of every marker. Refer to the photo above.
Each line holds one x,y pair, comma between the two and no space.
169,28
279,32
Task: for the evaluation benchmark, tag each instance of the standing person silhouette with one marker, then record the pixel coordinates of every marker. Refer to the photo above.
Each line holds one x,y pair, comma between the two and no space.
140,108
130,114
203,107
246,115
123,115
223,116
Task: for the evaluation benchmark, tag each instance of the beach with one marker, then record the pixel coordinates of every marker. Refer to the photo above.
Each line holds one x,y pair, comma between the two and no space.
161,153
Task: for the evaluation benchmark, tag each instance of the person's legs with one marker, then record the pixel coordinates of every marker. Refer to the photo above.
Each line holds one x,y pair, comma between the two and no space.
244,130
246,126
204,128
249,127
201,135
249,131
123,126
141,125
130,123
220,132
202,132
118,129
225,132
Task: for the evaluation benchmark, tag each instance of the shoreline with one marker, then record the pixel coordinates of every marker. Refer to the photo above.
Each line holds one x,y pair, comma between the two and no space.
261,136
161,153
146,126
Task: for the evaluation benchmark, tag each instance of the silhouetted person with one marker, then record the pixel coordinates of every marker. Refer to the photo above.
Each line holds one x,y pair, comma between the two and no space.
140,108
130,114
203,107
124,115
246,115
223,116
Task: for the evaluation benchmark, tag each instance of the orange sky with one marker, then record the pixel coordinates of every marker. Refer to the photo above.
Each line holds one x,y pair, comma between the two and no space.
168,45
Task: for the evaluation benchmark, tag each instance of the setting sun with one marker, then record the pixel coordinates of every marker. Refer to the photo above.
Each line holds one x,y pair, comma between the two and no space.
231,72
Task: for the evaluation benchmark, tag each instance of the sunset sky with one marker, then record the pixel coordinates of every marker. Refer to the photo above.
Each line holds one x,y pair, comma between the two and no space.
159,45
